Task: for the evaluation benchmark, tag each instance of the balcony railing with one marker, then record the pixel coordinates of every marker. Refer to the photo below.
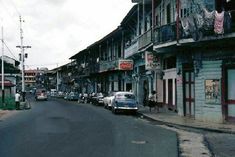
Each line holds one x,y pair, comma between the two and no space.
131,48
94,68
168,33
118,64
165,33
145,39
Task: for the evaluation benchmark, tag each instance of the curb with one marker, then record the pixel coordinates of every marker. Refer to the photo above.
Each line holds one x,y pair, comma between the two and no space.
188,126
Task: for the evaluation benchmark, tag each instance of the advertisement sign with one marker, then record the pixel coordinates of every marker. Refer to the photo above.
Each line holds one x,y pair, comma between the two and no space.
125,65
152,62
116,65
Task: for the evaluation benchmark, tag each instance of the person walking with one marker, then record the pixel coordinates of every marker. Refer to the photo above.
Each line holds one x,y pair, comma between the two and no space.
153,100
17,100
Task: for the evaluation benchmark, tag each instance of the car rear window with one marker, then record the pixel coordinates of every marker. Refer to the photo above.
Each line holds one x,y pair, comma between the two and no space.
125,96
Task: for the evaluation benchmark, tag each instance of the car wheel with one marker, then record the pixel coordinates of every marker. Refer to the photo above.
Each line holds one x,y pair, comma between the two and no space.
114,111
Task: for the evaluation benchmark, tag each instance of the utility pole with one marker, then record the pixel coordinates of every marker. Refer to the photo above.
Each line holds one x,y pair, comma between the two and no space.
57,78
3,91
22,57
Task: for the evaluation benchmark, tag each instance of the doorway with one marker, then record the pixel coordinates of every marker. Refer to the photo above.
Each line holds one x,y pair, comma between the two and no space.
229,93
188,90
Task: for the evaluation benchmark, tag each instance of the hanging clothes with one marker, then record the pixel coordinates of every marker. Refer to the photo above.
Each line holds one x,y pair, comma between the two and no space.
227,22
185,26
209,18
219,23
199,21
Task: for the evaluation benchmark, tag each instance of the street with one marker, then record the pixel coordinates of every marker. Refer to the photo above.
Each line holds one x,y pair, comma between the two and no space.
62,128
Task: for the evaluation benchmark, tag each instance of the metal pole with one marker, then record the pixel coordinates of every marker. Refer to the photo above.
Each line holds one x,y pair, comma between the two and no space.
22,58
57,79
3,92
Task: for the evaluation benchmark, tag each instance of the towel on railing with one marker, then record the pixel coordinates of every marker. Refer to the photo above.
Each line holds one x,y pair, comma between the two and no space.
219,23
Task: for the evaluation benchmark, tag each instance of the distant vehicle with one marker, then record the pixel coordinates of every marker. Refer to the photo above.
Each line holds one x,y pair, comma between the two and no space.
124,101
53,92
41,94
60,94
98,99
108,100
73,96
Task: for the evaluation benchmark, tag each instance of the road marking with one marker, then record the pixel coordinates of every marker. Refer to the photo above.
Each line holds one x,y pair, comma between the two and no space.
139,142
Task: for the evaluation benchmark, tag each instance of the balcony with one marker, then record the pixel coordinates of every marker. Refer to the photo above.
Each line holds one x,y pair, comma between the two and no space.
131,48
94,68
166,35
118,64
145,39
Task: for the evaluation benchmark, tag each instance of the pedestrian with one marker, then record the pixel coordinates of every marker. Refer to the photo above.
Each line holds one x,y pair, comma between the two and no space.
17,100
153,101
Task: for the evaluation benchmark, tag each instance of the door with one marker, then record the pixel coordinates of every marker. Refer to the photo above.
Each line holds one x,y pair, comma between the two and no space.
230,94
170,94
188,91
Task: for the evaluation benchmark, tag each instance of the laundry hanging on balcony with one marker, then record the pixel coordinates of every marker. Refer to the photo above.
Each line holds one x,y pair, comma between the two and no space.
209,18
219,23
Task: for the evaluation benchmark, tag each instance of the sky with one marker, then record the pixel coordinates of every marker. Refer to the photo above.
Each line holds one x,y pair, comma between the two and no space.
57,29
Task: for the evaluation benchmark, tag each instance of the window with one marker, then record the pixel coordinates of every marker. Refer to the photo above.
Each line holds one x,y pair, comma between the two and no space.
169,63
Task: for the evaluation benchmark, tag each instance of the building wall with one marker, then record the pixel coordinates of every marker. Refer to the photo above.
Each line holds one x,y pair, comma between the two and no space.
208,111
204,110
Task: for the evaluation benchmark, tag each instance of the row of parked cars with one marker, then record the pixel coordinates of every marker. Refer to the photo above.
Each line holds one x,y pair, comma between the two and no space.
115,101
118,101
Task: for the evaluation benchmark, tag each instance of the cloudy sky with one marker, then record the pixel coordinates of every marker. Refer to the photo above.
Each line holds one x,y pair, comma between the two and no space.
58,29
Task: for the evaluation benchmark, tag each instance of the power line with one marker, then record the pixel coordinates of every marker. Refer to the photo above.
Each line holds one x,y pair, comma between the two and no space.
19,14
9,50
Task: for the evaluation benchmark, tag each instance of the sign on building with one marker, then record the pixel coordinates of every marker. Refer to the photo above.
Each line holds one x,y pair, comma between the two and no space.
125,65
152,62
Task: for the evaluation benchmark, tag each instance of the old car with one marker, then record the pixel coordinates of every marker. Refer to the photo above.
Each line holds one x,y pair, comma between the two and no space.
124,101
108,100
98,99
41,94
73,96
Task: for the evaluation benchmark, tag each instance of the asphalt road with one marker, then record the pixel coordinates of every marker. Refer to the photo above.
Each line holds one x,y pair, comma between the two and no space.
58,128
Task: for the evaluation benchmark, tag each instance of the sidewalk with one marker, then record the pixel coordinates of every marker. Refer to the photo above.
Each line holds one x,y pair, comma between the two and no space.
6,113
173,119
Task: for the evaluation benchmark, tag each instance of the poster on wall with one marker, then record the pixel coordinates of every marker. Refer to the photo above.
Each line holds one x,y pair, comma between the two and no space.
152,62
212,91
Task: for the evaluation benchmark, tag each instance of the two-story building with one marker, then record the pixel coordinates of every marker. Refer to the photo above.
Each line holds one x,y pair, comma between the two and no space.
194,40
182,49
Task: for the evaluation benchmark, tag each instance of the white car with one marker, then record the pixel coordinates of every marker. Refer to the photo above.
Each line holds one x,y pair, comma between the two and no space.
108,100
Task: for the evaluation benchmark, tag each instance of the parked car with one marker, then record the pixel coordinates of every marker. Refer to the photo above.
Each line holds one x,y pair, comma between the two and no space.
98,99
108,100
66,94
41,94
73,96
124,101
60,94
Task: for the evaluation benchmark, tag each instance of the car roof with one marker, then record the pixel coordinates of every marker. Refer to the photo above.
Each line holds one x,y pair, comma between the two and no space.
124,93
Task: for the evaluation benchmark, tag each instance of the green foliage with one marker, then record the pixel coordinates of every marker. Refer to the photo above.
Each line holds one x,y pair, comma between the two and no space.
9,103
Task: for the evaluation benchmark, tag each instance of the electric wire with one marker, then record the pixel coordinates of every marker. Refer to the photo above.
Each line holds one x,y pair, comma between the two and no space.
14,6
9,50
